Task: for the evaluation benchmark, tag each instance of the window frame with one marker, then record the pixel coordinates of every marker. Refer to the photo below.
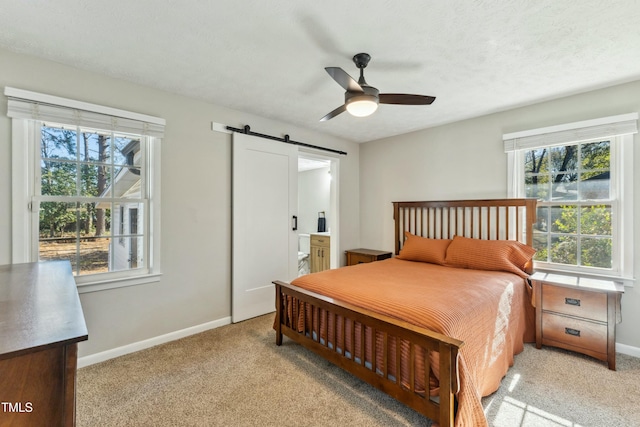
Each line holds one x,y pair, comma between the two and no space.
25,184
621,178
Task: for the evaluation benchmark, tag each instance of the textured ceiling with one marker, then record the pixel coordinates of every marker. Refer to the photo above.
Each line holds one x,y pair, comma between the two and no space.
268,57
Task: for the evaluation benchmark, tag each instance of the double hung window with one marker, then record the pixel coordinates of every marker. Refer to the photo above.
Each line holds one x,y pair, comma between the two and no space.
581,175
86,187
86,182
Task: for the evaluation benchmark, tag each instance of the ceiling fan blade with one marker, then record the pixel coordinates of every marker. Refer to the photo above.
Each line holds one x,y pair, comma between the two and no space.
404,99
331,115
344,79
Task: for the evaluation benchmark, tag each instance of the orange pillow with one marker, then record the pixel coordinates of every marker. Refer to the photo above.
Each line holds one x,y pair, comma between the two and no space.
497,255
421,249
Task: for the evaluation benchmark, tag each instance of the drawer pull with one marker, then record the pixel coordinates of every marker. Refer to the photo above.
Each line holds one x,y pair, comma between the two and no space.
570,331
572,301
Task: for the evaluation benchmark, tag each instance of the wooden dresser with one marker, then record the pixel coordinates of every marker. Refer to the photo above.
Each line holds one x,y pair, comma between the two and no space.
320,252
577,313
359,256
41,323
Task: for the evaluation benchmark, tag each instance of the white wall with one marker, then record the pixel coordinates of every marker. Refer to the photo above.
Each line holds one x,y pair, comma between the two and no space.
314,188
466,159
196,193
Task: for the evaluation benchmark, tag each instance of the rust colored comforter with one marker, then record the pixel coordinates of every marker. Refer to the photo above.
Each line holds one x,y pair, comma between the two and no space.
490,311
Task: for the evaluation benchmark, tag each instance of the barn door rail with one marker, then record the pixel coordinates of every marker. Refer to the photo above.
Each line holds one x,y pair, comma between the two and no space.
247,131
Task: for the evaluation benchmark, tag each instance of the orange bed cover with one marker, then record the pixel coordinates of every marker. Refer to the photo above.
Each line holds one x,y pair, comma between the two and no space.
490,311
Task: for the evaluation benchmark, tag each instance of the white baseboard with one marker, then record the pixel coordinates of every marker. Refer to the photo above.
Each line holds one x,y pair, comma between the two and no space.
161,339
628,350
151,342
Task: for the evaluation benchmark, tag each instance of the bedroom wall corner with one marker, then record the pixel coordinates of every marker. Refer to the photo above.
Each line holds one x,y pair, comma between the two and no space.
466,159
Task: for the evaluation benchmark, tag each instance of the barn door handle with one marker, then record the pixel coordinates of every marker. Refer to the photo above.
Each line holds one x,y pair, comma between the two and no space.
294,222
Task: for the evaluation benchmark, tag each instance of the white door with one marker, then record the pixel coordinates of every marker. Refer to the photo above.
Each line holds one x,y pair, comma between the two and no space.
265,200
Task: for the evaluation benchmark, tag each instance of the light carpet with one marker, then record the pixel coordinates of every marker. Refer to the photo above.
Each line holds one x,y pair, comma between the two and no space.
236,376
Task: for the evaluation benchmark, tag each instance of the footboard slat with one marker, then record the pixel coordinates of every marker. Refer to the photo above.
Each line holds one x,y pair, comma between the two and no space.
385,354
335,332
363,355
336,350
412,370
374,339
344,335
353,340
427,368
398,360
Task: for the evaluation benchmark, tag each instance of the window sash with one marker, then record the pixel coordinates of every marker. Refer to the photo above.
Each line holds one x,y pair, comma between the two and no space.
615,249
144,233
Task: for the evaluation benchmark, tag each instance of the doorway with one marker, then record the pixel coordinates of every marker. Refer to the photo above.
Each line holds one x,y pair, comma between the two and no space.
317,210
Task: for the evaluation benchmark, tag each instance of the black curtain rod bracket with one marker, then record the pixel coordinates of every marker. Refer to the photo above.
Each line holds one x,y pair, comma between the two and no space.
247,131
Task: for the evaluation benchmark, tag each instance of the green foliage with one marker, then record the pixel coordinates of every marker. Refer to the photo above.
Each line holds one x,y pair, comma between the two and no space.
567,233
69,170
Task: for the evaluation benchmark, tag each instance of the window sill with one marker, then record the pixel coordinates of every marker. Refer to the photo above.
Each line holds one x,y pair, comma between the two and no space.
626,281
96,284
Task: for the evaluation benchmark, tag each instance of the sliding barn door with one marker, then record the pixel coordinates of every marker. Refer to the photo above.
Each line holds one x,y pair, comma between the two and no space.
265,200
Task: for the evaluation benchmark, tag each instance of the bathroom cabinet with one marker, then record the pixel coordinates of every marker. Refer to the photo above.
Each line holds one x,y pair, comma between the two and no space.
320,252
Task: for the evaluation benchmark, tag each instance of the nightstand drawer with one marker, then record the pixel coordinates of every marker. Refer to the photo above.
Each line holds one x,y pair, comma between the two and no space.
579,333
359,259
575,302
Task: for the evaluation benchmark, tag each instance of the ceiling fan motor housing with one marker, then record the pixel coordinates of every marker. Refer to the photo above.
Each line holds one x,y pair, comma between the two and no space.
370,93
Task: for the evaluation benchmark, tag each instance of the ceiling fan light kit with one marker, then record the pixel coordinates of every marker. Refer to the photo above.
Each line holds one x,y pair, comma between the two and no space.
362,100
362,105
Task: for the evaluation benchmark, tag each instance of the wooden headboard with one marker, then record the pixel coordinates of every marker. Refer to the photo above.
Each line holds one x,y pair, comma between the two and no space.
492,219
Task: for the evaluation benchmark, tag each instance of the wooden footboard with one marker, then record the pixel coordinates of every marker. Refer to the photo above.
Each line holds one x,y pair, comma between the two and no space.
392,355
335,329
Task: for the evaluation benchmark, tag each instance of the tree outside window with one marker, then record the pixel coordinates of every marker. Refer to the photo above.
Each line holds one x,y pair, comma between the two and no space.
84,175
575,209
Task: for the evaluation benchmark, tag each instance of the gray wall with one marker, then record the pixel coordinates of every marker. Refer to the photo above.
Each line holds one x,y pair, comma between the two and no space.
313,196
459,160
466,159
196,192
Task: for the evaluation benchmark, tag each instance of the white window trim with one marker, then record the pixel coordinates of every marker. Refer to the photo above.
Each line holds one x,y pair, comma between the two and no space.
23,186
622,126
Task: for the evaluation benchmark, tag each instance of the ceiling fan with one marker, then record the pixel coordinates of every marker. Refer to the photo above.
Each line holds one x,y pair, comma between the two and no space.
362,100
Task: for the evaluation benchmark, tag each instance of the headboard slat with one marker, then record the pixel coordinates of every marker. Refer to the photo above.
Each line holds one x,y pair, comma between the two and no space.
482,219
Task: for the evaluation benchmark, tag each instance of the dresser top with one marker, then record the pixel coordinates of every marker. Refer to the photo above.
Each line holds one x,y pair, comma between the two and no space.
39,308
579,281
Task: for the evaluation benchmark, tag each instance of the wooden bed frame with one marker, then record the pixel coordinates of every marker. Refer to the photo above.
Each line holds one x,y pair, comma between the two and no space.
507,219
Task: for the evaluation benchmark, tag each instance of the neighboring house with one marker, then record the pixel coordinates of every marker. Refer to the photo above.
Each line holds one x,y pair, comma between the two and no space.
593,188
596,187
125,252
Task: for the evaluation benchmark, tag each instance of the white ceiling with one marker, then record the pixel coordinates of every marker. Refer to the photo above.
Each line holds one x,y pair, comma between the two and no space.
268,57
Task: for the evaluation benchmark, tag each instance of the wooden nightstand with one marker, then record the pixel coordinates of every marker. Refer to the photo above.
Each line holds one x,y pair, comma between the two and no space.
358,256
577,313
